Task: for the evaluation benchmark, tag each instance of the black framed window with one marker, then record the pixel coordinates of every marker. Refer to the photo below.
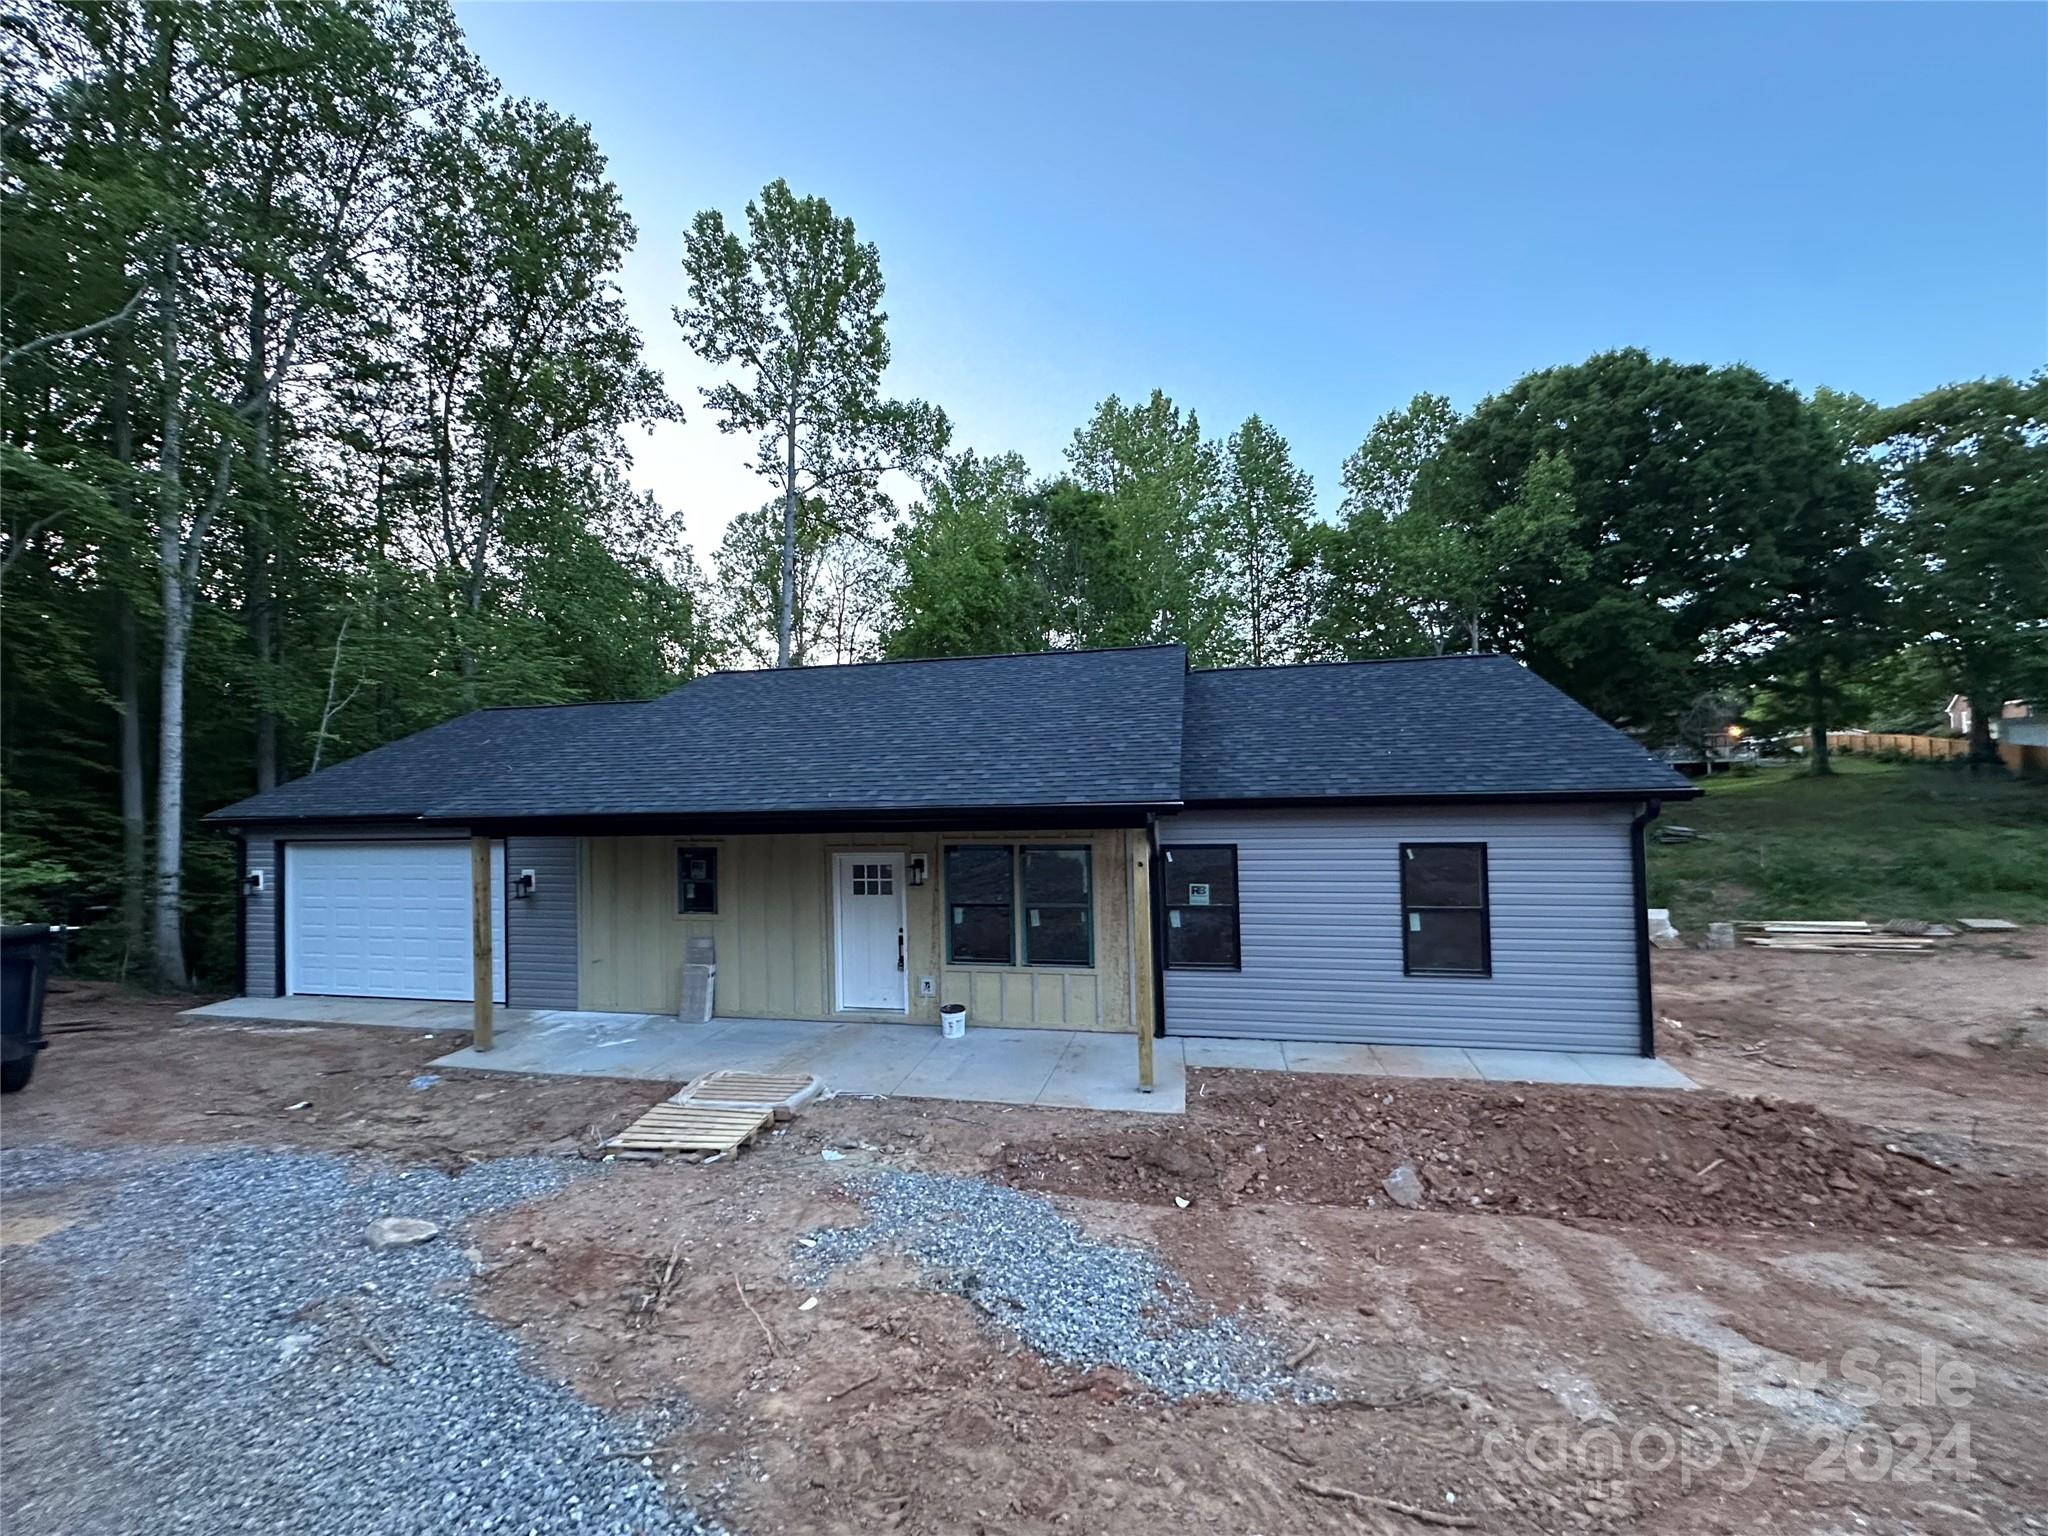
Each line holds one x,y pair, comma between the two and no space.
981,926
1059,906
1200,885
696,882
1444,922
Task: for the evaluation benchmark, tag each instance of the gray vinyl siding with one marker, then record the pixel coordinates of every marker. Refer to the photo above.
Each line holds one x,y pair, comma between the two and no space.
540,930
260,909
259,919
1320,925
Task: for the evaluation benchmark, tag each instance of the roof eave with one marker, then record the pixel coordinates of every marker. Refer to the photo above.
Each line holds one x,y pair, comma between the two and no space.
1461,797
1023,816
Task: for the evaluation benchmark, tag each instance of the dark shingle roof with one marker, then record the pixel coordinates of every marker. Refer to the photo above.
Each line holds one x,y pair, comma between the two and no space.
1441,725
1065,729
476,753
1061,729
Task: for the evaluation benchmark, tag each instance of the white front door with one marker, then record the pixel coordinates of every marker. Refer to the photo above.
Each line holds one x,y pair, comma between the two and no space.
867,908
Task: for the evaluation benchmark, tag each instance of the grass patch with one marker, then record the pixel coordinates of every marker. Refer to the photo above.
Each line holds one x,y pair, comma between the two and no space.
1874,840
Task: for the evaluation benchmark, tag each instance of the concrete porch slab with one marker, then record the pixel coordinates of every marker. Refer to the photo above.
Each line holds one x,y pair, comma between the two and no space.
1069,1069
1095,1071
379,1012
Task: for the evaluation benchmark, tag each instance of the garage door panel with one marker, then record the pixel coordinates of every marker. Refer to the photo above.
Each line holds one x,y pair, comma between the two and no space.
386,920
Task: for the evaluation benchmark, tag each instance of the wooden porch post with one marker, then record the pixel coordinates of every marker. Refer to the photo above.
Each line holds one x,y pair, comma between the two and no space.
480,942
1143,1004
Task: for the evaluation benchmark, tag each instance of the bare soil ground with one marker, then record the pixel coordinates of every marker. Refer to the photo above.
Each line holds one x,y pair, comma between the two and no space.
1584,1277
1949,1045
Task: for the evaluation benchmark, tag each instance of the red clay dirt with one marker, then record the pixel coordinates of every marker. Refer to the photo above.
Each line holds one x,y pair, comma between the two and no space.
1481,1359
1687,1159
1948,1046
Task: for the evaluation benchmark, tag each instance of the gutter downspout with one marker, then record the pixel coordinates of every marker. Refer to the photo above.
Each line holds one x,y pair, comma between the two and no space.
1646,1014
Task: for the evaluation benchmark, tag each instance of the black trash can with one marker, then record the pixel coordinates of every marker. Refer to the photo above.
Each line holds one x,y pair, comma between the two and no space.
27,951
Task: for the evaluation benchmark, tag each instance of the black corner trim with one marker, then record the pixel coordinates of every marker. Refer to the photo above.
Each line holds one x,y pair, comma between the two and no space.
277,879
1646,1013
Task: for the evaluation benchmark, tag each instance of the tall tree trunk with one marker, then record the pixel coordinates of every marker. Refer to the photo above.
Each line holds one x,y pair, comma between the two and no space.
785,610
128,684
261,597
1983,750
1817,722
265,648
134,791
1256,563
167,924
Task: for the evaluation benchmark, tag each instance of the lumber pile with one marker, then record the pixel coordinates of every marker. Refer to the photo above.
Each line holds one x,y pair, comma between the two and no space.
1897,937
717,1114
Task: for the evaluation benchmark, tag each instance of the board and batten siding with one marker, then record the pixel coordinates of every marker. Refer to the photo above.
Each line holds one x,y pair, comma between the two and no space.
540,930
540,933
773,932
1319,895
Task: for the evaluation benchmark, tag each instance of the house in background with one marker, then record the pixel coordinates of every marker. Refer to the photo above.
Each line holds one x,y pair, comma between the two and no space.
1439,851
1958,712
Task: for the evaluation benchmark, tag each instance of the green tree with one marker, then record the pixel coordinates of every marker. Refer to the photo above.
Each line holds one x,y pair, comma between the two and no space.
840,585
1370,596
235,444
797,306
969,583
1262,538
1966,484
1088,562
1679,475
1825,608
1159,484
514,327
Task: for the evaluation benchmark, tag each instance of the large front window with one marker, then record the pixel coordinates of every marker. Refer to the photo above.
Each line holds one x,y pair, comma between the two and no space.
996,893
1058,906
980,907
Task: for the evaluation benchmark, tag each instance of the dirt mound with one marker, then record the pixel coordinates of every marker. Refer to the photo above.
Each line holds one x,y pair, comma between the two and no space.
1689,1159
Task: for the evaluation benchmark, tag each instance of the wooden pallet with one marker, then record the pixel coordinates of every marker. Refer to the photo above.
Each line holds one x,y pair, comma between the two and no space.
673,1127
781,1094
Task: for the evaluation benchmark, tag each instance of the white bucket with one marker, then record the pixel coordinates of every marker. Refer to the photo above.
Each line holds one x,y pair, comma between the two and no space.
953,1020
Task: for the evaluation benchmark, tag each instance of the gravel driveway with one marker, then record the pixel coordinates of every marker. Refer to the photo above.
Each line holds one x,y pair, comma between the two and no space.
1070,1297
212,1347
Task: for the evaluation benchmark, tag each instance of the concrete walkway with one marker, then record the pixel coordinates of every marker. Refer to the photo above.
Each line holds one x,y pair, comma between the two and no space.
1472,1063
1068,1069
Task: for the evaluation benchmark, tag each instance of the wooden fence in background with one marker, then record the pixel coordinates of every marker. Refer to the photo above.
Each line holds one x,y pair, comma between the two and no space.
2017,756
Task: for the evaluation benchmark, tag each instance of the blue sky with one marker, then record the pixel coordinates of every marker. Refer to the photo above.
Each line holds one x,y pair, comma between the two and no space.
1314,212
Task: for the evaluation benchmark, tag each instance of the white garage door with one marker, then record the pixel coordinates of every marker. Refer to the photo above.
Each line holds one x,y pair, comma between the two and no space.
386,920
